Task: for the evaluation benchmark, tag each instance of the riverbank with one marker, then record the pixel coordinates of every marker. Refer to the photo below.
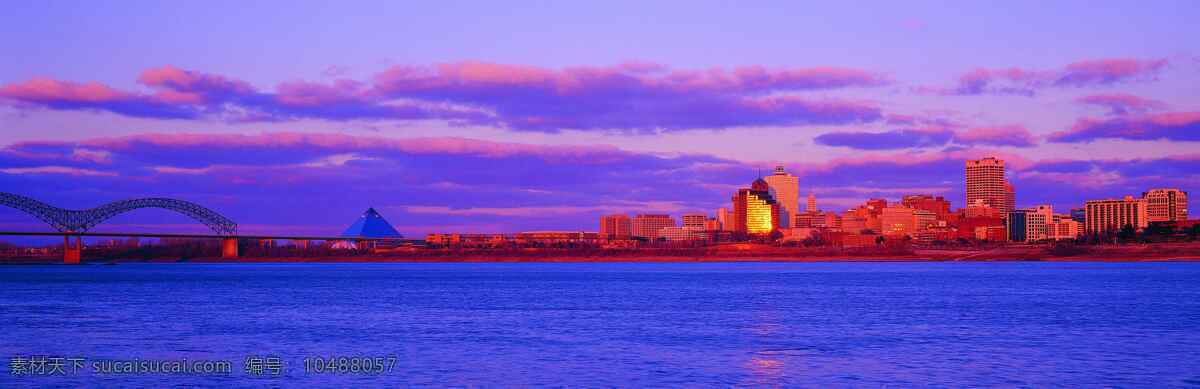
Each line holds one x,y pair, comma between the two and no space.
1165,252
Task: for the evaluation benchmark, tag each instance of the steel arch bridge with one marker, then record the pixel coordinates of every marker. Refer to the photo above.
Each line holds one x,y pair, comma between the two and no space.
67,220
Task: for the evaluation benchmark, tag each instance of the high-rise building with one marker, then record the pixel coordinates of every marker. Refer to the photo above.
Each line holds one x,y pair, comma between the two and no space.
694,221
647,225
1079,215
812,203
938,205
785,188
615,227
1166,205
754,210
725,220
1112,215
986,184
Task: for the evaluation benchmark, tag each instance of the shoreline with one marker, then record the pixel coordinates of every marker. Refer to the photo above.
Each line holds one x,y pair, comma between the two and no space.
1169,252
568,259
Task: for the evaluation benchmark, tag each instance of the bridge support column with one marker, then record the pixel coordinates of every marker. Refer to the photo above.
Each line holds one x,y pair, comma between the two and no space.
229,248
301,244
72,254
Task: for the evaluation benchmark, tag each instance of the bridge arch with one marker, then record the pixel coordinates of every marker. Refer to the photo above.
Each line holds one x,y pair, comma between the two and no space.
66,220
54,216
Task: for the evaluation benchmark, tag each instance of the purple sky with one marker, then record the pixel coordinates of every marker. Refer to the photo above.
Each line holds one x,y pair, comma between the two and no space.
510,116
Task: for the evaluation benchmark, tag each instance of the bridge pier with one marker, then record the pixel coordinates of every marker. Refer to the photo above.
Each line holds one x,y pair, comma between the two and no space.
301,244
229,248
72,255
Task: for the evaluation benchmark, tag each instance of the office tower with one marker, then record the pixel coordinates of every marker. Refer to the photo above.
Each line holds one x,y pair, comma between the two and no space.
694,221
615,227
724,219
1111,215
647,225
1166,205
986,185
785,188
939,206
812,203
754,210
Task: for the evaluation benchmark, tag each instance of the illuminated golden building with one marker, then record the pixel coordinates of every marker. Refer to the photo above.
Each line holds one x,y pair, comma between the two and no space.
754,210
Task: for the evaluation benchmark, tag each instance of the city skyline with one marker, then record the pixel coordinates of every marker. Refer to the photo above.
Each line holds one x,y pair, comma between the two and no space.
537,132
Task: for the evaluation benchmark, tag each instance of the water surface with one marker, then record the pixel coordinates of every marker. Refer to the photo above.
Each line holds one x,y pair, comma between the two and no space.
621,324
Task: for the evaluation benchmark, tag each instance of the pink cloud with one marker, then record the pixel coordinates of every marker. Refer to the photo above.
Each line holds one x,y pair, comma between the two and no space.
639,97
180,80
1121,103
47,90
633,96
1175,126
1011,135
1027,81
328,144
1107,71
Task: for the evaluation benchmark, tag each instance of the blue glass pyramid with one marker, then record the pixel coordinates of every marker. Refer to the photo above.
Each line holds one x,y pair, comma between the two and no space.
371,225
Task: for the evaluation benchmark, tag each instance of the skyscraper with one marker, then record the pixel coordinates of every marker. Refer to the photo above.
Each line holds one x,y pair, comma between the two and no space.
615,227
986,184
785,188
754,210
1166,205
812,203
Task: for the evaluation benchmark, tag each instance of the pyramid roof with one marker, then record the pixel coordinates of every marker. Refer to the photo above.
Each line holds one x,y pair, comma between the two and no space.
371,225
